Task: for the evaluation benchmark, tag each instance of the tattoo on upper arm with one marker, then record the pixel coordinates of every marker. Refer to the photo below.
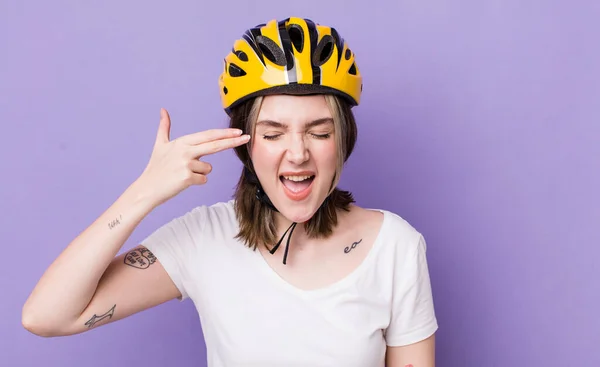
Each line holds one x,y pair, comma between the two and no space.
140,258
96,319
350,248
115,222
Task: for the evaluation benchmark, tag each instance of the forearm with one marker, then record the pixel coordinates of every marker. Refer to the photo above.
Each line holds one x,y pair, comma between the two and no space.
68,285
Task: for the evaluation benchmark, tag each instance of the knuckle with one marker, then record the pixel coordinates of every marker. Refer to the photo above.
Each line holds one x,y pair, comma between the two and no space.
187,175
220,144
186,153
213,146
200,179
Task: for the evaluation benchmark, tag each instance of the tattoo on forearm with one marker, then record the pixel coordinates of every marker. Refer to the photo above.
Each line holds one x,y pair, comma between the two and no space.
96,319
140,258
350,248
115,222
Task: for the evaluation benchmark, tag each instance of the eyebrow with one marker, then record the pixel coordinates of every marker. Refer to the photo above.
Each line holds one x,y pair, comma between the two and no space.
276,124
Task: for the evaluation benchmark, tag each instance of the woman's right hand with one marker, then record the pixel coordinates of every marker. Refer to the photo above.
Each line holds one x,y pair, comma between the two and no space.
175,164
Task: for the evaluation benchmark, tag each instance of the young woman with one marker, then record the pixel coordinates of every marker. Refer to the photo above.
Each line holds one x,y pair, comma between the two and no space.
290,272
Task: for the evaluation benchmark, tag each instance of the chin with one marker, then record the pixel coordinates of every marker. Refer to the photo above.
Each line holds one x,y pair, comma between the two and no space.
300,213
300,200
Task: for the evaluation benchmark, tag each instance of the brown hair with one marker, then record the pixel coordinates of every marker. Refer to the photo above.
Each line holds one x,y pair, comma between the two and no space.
255,218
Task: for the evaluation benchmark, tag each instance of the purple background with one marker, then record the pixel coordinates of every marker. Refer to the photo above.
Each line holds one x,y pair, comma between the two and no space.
479,125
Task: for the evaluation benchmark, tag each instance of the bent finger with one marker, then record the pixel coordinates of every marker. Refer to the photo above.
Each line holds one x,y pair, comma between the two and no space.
198,179
200,167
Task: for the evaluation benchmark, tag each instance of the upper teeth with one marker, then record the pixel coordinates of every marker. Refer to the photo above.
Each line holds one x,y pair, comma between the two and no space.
297,178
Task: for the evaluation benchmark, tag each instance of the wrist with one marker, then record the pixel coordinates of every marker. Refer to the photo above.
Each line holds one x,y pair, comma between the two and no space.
139,196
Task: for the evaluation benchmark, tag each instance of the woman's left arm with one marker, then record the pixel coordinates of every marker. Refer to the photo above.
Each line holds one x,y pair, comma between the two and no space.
420,354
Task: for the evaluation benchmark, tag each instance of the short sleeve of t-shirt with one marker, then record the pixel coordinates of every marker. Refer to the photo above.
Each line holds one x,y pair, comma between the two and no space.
175,245
413,317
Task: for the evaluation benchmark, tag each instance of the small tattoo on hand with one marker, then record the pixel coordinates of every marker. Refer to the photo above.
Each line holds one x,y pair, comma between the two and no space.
96,319
140,258
350,248
115,222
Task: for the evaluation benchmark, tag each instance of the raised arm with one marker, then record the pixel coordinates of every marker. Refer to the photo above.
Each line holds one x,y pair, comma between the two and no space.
87,286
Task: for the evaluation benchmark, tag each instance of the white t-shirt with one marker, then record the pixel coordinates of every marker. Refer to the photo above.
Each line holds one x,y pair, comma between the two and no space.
252,317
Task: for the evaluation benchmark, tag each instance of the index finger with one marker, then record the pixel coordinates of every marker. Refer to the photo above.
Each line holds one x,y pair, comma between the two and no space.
215,146
210,135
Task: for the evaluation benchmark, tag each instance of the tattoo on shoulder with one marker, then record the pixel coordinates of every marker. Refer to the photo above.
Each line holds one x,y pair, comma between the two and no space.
96,319
140,258
353,246
115,222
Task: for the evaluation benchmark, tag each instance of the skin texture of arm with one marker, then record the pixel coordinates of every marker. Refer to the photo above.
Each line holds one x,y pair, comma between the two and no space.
421,354
87,285
133,282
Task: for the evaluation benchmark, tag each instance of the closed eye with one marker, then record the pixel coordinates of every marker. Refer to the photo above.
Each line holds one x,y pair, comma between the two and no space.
317,136
271,137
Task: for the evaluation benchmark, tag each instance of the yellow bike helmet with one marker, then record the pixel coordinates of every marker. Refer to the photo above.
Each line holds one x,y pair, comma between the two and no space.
292,56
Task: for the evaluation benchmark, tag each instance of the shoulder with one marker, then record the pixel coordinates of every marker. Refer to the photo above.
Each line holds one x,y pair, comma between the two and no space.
398,229
223,211
204,219
393,235
214,217
391,226
397,239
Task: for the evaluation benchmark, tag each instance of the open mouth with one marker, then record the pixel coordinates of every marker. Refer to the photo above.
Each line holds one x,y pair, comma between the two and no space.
297,184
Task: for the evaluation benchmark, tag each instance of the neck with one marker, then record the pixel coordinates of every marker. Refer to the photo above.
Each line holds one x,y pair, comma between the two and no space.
282,223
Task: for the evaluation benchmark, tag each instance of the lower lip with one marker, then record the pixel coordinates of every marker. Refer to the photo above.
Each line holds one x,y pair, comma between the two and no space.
300,195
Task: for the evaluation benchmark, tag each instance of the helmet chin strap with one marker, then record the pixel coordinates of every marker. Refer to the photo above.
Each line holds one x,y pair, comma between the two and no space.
263,198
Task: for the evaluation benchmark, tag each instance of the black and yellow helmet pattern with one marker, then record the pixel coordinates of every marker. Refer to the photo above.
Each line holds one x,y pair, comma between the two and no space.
292,56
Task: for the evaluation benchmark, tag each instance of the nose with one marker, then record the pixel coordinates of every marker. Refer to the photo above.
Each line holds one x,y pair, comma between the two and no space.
297,151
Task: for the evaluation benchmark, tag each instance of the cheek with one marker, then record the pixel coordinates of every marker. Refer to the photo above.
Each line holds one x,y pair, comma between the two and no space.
263,150
264,156
326,155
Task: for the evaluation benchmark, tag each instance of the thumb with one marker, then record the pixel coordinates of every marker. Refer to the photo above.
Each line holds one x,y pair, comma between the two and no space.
164,127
